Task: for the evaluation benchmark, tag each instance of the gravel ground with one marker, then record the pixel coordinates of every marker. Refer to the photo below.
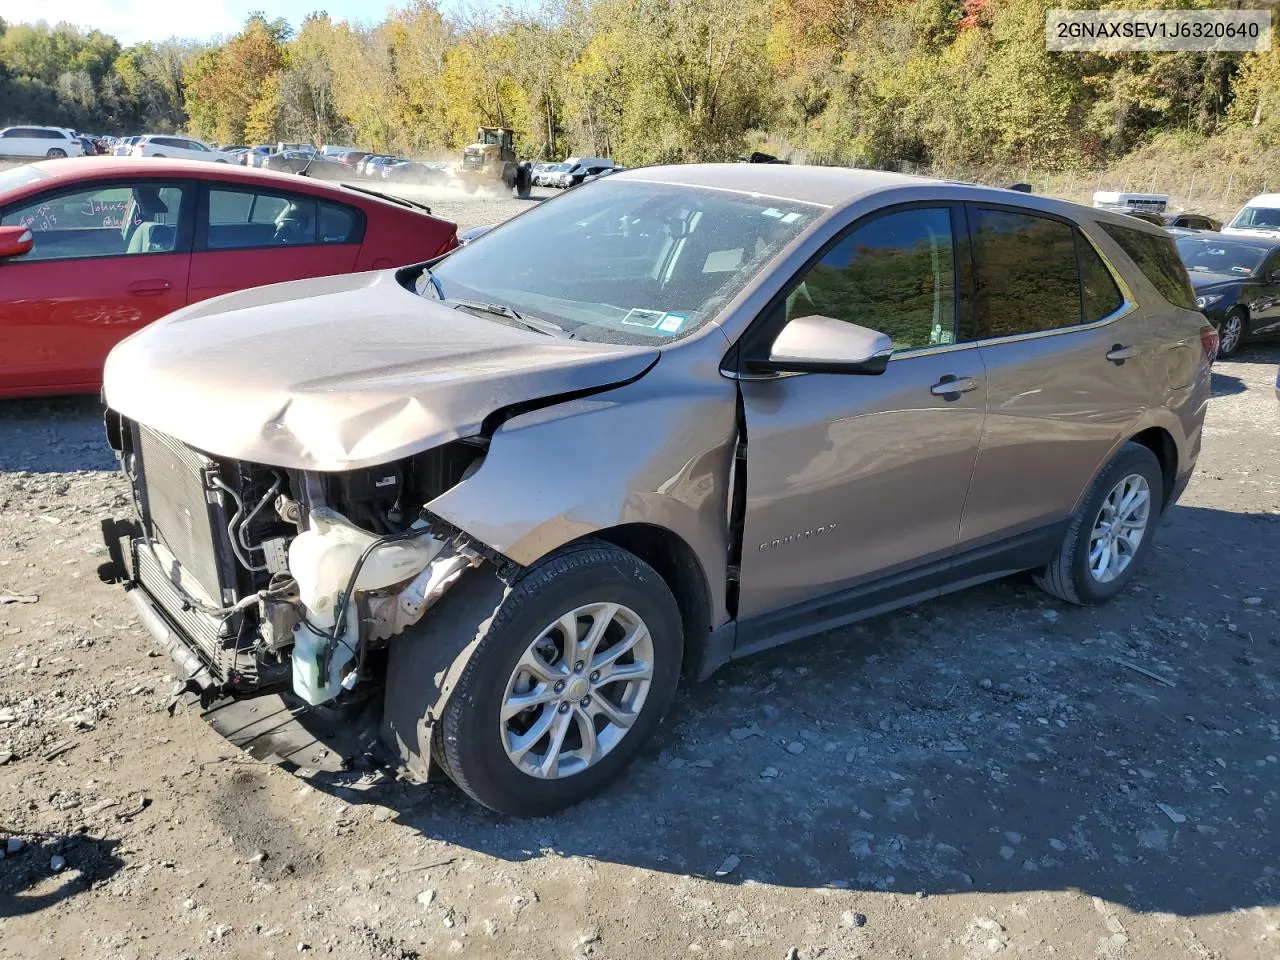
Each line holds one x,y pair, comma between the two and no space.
991,773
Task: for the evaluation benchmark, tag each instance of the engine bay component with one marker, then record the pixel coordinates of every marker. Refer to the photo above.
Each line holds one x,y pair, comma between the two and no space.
332,561
279,621
390,615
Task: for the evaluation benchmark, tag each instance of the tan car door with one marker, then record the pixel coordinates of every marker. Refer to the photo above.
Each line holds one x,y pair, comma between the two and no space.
855,477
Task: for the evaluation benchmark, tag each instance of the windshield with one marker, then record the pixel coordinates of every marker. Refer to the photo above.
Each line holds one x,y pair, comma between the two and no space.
624,261
1258,218
16,177
1203,256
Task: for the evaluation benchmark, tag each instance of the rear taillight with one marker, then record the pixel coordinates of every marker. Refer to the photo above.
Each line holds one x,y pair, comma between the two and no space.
1209,342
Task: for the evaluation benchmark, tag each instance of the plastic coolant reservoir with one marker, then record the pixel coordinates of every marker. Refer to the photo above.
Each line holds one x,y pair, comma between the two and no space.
321,560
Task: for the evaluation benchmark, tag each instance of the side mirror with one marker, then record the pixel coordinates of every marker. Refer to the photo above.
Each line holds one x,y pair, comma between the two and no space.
824,345
15,241
1275,276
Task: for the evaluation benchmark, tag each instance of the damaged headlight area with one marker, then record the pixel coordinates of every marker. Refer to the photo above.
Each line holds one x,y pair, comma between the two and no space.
254,576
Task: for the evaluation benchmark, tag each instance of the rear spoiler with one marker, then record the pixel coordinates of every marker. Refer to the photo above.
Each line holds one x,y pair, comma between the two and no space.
389,197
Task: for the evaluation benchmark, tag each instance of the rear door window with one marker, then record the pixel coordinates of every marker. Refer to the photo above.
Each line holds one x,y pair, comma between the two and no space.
1098,288
247,219
1157,258
1026,274
338,224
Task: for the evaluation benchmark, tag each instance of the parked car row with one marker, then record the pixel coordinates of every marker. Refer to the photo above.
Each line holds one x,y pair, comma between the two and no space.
572,172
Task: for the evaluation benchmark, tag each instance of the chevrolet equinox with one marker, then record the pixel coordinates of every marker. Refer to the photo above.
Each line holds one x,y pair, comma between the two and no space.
673,418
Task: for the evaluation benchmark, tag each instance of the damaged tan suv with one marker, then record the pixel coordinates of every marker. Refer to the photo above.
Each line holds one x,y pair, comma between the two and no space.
670,419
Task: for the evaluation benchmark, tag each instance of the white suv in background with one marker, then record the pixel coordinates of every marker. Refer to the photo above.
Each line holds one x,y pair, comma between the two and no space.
180,148
1260,217
39,143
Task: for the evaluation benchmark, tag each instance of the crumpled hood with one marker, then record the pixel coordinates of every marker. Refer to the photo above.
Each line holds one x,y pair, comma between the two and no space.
341,372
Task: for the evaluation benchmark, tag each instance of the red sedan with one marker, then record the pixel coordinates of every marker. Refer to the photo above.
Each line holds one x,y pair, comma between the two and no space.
93,249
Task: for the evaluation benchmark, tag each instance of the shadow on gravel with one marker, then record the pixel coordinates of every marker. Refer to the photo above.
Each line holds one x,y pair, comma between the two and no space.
54,435
990,741
1224,385
29,882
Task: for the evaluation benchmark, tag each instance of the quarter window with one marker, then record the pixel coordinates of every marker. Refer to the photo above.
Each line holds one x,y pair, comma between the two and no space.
895,274
132,219
1026,275
1157,258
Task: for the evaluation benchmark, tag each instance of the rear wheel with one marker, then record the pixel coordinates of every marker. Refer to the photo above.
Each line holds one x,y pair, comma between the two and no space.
1111,531
57,153
158,156
1231,332
577,667
523,185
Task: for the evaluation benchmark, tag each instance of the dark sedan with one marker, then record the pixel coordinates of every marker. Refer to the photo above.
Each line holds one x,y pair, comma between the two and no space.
582,172
1237,284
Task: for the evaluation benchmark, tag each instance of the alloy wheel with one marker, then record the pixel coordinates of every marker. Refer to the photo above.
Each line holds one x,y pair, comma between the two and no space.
1229,338
577,690
1119,528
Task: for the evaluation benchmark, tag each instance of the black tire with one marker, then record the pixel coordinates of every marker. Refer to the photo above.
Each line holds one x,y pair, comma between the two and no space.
57,153
1235,314
1067,576
474,756
158,156
523,185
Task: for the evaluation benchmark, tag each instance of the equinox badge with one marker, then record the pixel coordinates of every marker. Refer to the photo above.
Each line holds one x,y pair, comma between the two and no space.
795,538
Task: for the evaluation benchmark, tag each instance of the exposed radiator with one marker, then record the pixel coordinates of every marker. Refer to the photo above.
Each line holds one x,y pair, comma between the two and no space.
182,512
209,635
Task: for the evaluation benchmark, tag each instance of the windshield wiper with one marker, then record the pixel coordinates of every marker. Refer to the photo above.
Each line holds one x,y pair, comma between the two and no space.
502,310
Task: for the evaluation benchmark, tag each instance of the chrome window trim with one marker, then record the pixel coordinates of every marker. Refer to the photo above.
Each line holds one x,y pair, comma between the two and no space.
1125,308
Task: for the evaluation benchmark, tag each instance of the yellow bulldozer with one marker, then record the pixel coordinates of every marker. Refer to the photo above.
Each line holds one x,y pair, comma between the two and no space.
493,158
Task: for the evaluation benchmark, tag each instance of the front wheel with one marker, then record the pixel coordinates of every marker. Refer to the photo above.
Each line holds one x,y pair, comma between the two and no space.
1231,333
57,153
577,667
1111,531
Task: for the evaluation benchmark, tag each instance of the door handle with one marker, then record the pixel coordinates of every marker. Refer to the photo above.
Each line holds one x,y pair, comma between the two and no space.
952,386
1119,353
149,288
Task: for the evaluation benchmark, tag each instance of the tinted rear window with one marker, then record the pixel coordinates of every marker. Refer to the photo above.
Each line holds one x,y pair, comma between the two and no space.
1157,258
